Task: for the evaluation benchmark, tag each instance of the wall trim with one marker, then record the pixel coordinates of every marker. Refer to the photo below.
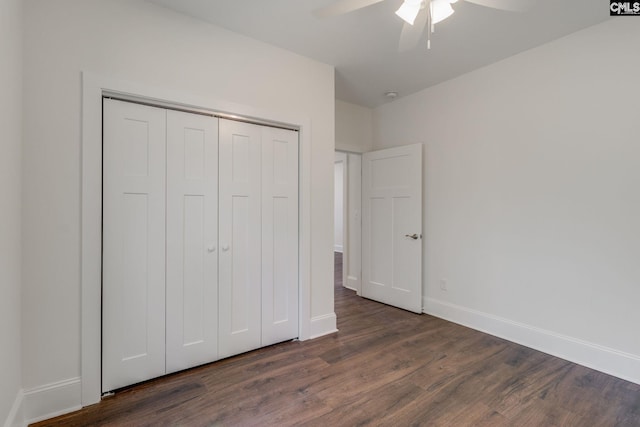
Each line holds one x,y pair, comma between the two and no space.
604,359
93,87
353,283
323,325
16,413
52,400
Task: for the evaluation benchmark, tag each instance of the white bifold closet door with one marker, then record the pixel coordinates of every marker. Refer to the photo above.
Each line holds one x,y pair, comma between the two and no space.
240,239
160,278
200,240
192,238
279,235
133,236
258,236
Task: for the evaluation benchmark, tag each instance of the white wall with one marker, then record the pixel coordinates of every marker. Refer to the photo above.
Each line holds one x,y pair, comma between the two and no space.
354,127
338,205
10,190
532,196
146,44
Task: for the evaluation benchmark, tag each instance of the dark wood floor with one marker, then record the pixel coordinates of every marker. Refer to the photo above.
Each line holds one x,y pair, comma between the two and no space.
384,367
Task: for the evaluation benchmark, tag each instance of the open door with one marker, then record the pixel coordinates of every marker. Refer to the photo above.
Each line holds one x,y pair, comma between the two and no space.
392,226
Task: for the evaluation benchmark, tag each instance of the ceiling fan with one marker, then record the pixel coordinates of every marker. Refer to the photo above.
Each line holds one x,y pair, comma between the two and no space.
418,14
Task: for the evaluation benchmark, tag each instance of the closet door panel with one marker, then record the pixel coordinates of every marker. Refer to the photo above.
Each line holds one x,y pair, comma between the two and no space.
279,235
239,237
133,322
192,235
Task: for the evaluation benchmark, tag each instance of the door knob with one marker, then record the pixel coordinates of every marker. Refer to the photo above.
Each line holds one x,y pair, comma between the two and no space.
225,248
413,236
211,248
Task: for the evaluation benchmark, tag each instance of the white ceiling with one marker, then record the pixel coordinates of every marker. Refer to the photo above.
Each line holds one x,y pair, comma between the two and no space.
363,45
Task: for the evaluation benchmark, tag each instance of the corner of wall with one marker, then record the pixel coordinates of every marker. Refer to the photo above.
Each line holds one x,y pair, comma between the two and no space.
11,118
353,283
16,414
323,325
353,127
51,400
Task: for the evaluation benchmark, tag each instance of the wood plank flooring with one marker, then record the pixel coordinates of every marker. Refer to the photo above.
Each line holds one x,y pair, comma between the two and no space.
385,367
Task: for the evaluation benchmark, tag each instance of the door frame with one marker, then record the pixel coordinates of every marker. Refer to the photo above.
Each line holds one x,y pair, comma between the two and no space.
94,86
352,225
342,157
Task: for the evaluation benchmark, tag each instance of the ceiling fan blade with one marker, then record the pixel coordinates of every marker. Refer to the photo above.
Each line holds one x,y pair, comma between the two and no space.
343,6
510,5
411,34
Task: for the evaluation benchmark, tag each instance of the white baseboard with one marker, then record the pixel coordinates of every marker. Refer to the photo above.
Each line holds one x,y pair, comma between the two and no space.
604,359
323,325
353,283
52,400
16,414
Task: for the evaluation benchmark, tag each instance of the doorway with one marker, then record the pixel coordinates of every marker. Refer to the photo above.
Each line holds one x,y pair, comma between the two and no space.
347,220
339,216
378,224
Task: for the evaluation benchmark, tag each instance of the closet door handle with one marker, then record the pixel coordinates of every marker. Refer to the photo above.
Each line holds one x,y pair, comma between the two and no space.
211,248
225,248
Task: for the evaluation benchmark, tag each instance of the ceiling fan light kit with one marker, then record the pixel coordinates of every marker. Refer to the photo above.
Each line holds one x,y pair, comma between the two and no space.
440,10
409,10
435,11
423,13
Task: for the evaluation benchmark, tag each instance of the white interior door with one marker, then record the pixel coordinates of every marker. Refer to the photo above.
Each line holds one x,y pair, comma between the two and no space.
392,226
240,237
133,318
192,239
279,235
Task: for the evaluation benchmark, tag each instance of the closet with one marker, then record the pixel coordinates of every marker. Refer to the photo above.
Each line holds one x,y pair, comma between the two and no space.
200,240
